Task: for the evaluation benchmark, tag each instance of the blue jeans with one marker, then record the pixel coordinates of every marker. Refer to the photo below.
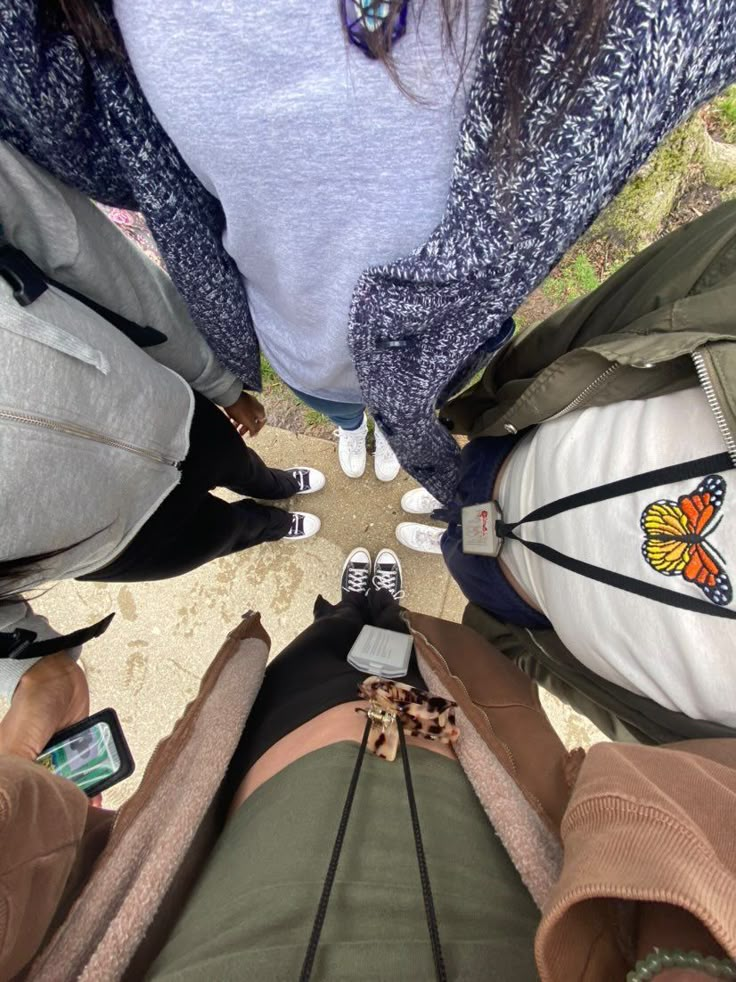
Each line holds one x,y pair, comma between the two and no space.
480,577
348,415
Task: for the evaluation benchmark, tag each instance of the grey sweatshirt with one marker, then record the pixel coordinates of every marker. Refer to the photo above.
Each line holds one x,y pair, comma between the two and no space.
92,428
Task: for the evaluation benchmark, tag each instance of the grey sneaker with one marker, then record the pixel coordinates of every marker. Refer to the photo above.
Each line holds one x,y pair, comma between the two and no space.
356,573
387,573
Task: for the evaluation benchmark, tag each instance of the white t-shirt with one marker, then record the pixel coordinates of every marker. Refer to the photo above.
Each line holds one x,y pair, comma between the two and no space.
683,660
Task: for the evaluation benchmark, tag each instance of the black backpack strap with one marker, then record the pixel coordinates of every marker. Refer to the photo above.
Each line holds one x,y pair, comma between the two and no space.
21,643
629,583
29,282
689,470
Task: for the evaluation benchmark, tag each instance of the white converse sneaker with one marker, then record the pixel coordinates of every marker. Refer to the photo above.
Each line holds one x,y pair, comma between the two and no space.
387,573
356,573
423,538
385,460
303,526
308,478
419,502
351,449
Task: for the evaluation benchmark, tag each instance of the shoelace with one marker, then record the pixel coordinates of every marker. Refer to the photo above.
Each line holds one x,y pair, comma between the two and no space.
428,535
428,503
386,579
358,579
354,439
301,476
383,447
297,525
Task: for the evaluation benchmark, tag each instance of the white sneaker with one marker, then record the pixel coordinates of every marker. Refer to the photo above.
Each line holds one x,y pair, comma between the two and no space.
309,479
419,502
351,449
423,538
303,526
387,573
385,461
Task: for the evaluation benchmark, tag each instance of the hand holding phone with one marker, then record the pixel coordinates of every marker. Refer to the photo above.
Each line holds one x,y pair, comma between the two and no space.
93,753
50,696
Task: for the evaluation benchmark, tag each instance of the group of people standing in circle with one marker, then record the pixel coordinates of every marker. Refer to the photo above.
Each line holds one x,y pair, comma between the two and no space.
365,195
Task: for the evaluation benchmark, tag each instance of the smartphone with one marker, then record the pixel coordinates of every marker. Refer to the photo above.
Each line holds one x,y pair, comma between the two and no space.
93,753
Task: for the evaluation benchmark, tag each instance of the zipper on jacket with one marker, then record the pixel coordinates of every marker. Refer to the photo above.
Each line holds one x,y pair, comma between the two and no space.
580,398
71,430
715,406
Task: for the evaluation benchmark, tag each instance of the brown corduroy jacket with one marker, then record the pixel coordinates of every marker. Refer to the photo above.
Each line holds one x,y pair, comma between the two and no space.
89,894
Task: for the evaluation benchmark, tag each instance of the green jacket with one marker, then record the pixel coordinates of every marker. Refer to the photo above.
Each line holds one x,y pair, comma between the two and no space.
665,321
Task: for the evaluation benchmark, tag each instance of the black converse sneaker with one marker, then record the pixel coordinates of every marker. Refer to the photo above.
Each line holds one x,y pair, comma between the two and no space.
303,526
309,479
356,573
387,573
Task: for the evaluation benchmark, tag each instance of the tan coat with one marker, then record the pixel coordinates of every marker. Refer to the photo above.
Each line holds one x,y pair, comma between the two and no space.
92,895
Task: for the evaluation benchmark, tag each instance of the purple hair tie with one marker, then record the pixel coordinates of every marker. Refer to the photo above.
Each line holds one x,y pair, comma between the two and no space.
364,17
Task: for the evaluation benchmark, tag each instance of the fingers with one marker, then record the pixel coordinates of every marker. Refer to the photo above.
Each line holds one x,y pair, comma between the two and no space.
253,425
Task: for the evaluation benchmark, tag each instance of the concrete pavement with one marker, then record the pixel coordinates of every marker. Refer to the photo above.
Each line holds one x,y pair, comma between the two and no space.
149,663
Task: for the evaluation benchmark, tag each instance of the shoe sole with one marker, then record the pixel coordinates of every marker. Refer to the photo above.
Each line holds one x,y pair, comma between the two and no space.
352,556
354,477
387,480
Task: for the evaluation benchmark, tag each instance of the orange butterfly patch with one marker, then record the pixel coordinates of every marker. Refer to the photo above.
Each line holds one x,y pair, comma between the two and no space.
676,534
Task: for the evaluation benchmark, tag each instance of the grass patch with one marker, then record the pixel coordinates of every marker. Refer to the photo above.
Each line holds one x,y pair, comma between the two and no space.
268,375
574,278
314,418
723,111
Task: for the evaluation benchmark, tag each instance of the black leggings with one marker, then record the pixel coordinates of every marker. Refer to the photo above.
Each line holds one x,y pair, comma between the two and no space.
191,526
312,675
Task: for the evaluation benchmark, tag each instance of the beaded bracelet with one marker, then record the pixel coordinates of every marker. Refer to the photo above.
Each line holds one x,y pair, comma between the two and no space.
660,960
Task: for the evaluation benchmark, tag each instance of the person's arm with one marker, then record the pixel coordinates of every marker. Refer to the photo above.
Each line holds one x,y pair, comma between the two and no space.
20,615
51,695
50,835
649,861
72,241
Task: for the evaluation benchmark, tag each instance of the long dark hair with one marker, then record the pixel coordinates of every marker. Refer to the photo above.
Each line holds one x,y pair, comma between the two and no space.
533,26
83,19
14,570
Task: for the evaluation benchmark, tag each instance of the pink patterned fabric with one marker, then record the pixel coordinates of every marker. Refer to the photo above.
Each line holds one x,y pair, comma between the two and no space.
133,224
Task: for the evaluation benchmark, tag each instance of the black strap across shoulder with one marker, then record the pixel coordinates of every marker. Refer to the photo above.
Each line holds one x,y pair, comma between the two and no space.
29,282
21,643
429,909
689,470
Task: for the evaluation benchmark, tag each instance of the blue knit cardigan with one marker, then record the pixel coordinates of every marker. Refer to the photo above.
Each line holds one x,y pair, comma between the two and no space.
418,326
